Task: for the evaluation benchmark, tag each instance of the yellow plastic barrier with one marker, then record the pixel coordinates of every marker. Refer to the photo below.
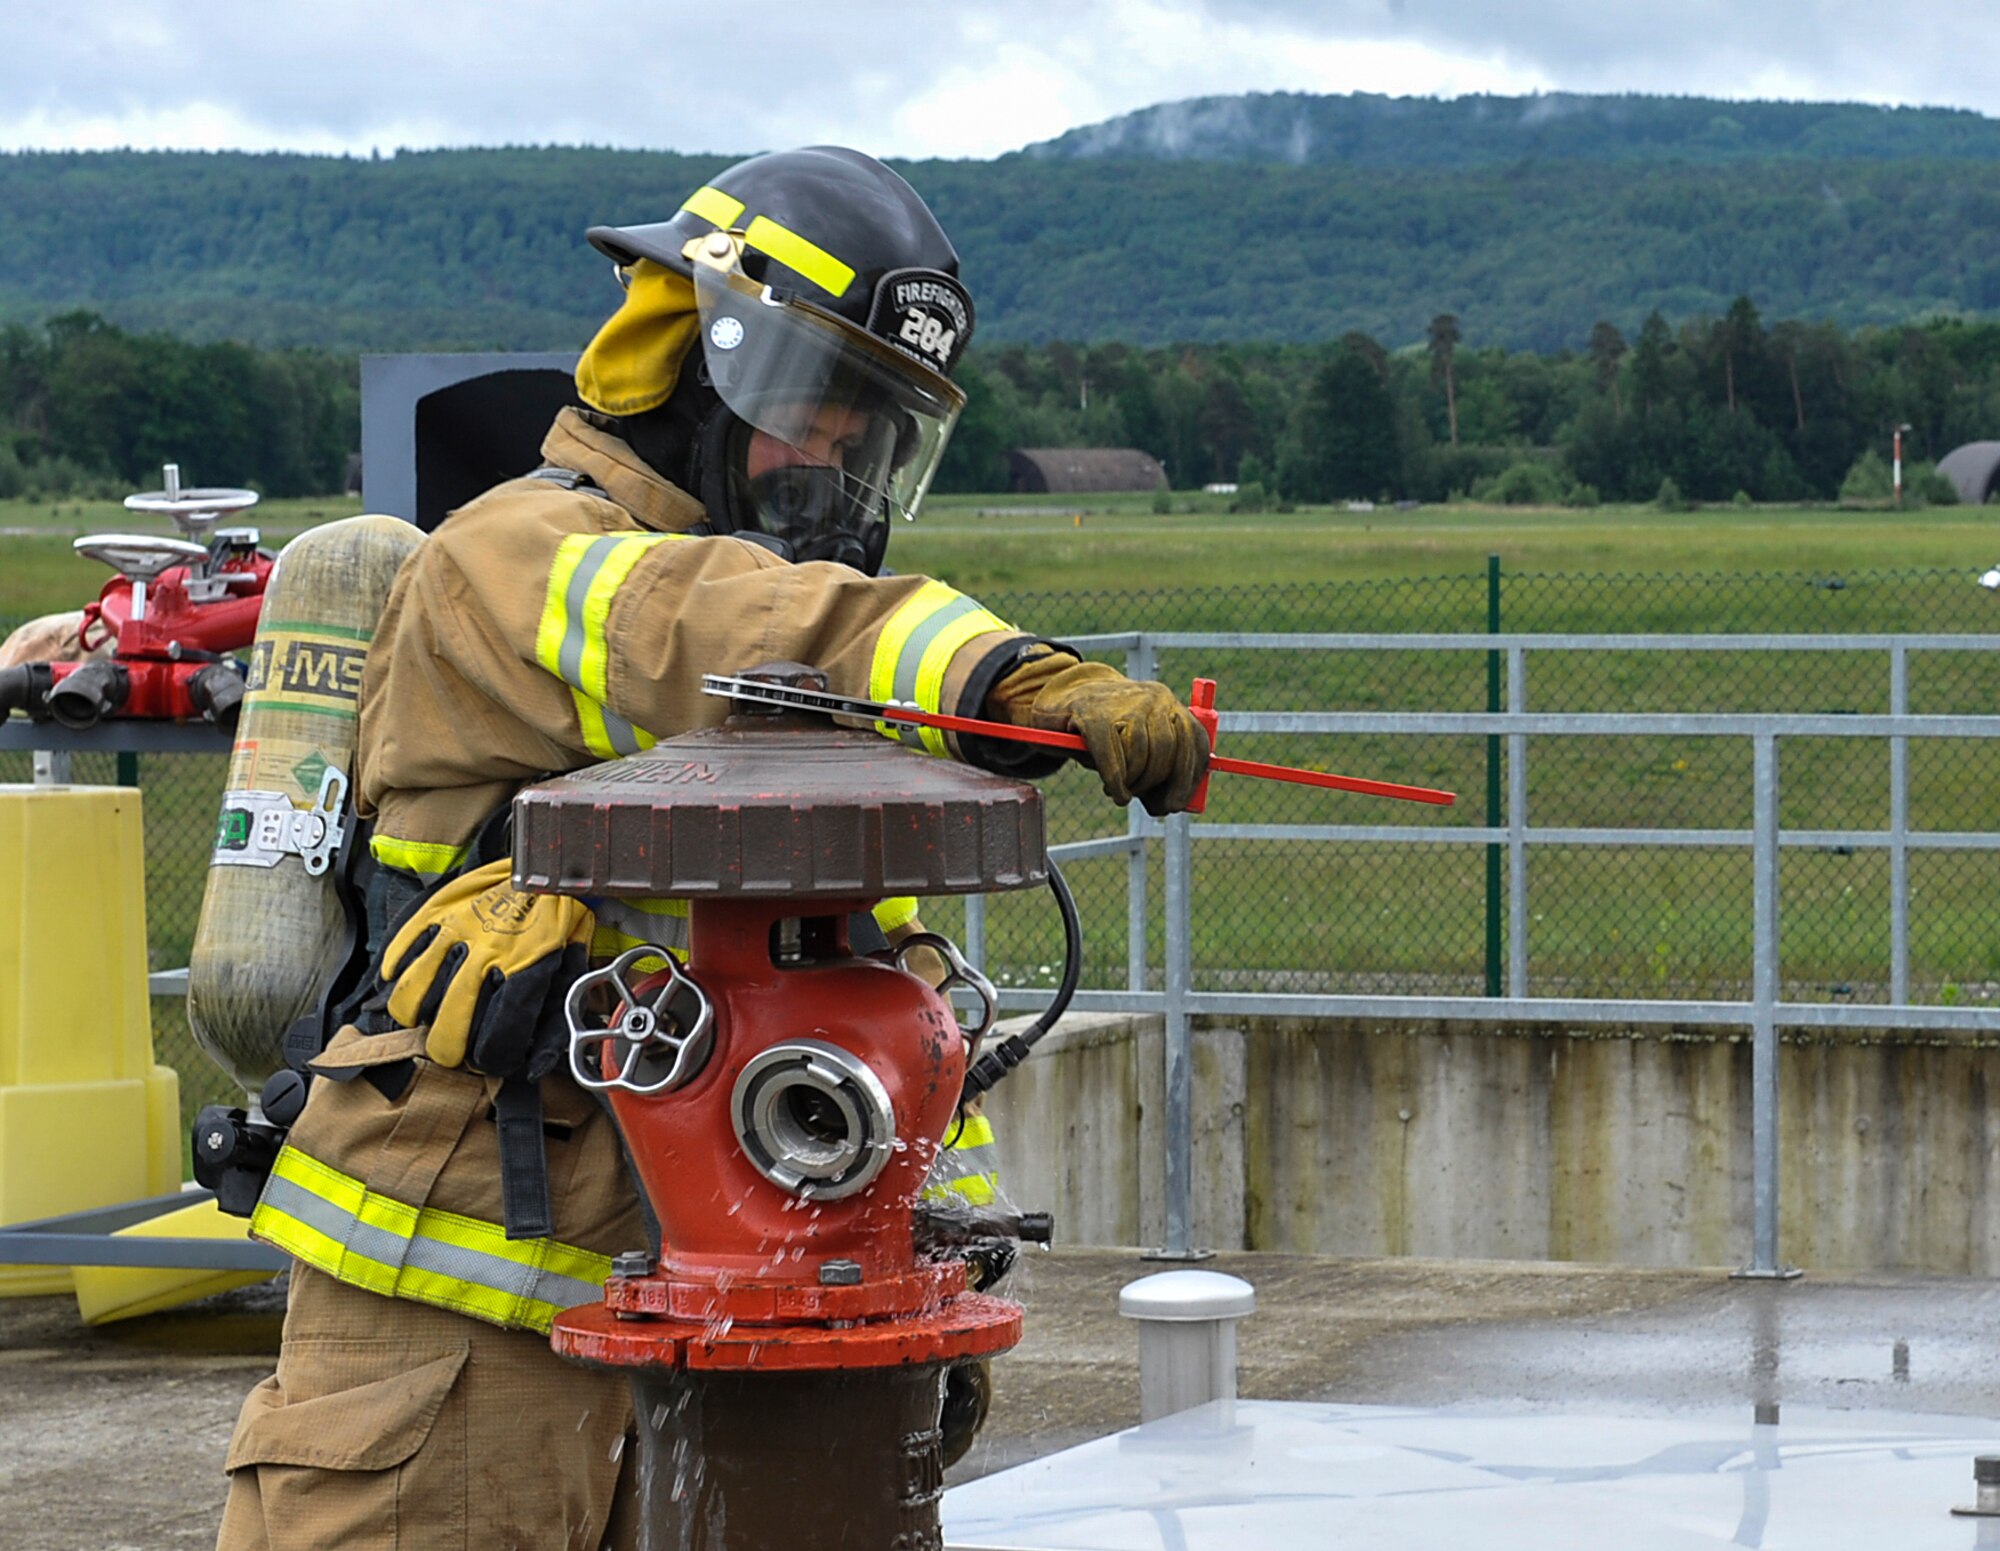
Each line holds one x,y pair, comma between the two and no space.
86,1117
107,1293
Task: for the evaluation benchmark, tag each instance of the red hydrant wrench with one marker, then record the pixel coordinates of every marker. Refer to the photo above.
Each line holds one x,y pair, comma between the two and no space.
1201,701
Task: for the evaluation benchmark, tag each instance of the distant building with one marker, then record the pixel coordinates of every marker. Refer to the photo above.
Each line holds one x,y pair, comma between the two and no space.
1975,470
1036,470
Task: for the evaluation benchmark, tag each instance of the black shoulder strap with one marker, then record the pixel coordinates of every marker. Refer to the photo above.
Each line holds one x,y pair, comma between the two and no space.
568,479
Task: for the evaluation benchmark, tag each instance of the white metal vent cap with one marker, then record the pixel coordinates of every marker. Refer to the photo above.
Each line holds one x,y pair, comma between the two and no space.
1187,1295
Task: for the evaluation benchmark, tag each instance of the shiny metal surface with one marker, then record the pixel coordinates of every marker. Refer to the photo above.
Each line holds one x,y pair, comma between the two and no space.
1263,1475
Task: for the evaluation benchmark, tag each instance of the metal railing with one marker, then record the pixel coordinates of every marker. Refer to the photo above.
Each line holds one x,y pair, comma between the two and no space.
1509,839
1180,999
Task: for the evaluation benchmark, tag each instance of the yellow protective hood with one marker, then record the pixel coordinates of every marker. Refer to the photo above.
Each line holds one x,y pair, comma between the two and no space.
635,360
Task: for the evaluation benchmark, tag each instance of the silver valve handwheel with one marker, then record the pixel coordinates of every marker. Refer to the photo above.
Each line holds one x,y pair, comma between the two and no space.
960,974
656,1041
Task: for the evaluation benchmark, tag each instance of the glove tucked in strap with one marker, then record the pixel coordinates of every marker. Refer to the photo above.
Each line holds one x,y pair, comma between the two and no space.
485,966
1140,740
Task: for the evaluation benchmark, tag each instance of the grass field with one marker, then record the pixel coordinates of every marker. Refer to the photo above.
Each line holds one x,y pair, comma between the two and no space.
1291,914
988,544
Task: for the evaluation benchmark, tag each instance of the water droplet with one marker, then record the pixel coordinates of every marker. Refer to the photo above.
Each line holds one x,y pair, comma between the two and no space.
659,1416
618,1446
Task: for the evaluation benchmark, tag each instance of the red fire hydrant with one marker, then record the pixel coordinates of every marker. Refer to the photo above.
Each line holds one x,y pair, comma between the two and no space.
782,1101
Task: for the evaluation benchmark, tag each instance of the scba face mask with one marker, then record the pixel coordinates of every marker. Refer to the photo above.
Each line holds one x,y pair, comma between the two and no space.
841,429
805,508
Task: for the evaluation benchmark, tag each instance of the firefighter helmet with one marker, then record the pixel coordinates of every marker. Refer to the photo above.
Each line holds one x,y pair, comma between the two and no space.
831,317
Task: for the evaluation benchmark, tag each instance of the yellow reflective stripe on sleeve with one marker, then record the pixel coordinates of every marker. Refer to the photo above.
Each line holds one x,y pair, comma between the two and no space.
968,1166
336,1224
973,1131
944,646
714,207
973,1189
611,574
797,254
915,649
622,924
607,942
893,913
553,626
570,639
428,861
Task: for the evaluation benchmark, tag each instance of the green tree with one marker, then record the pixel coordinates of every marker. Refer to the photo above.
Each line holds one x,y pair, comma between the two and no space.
1442,341
1607,349
1347,430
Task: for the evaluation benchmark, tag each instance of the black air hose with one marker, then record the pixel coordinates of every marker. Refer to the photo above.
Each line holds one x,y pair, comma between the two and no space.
1010,1053
13,690
25,688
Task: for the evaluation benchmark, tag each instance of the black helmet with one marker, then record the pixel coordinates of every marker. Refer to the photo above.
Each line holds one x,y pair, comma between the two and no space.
832,316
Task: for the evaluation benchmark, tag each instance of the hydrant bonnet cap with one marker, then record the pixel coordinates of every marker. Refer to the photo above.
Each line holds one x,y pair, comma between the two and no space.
1187,1295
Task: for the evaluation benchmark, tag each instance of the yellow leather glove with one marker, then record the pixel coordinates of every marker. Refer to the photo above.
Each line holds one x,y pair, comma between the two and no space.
486,966
1140,740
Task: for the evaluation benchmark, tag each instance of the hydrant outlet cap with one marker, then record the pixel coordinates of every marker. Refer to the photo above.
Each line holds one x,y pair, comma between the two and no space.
1187,1295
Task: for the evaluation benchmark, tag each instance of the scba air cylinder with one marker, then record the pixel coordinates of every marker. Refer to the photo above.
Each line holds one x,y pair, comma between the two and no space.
274,931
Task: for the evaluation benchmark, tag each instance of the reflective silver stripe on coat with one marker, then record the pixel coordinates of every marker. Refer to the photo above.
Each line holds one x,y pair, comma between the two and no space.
910,660
506,1277
569,656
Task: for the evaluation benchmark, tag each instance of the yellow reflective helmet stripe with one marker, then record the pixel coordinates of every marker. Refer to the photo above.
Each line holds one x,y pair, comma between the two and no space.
570,639
334,1223
798,255
714,207
426,859
915,648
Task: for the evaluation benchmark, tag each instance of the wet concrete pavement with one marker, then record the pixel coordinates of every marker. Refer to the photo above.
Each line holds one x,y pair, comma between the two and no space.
114,1438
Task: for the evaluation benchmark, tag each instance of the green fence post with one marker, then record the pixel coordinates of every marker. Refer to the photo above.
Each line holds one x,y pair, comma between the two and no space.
1493,815
128,768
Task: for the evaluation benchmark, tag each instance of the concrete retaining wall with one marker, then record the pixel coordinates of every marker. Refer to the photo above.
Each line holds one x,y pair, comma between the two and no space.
1516,1142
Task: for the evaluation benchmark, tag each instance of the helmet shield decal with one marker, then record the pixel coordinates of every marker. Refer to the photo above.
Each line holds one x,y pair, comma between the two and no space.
860,424
925,312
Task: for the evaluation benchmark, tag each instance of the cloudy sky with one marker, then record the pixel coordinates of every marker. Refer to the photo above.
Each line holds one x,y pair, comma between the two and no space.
941,78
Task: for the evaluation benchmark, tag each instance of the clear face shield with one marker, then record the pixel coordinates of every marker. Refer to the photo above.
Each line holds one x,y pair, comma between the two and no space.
842,430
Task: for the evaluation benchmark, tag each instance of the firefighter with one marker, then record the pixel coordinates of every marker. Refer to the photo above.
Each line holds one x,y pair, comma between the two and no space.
773,390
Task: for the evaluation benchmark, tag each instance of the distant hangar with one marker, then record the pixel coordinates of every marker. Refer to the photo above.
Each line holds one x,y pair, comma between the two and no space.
1975,470
1059,470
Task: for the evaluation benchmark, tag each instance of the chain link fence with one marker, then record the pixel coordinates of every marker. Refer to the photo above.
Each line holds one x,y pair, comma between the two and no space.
1666,923
1395,920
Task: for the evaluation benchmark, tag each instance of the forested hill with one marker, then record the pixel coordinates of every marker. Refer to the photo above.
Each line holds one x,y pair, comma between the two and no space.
1364,130
484,248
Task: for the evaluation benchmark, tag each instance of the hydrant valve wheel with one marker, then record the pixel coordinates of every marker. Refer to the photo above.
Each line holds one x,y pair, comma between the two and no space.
658,1033
958,973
